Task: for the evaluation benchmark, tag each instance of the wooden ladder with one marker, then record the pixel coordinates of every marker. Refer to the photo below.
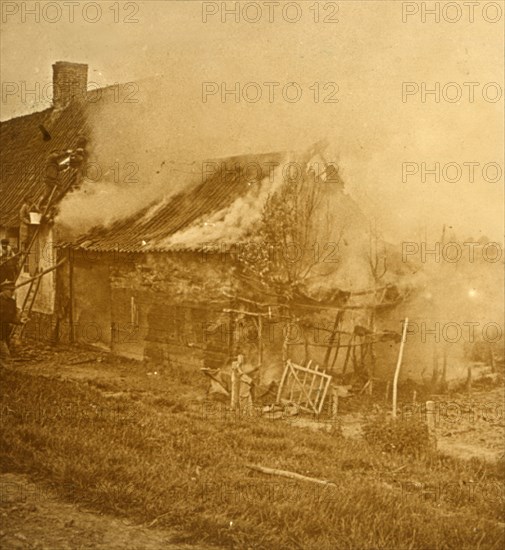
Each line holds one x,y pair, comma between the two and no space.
28,302
27,250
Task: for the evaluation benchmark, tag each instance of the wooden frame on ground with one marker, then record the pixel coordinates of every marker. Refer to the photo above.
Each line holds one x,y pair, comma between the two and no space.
305,386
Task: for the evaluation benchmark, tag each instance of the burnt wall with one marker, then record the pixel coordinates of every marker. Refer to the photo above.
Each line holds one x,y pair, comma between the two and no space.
164,307
167,308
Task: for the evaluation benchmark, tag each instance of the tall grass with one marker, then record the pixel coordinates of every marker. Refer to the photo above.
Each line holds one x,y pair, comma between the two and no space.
163,462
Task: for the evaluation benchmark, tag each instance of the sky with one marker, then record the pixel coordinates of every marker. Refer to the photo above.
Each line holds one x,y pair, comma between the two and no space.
364,55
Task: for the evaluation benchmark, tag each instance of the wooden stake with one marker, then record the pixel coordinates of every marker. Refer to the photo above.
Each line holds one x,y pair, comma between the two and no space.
236,373
398,366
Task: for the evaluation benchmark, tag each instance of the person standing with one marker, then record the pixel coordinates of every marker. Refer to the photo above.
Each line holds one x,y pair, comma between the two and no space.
24,222
8,318
57,162
7,262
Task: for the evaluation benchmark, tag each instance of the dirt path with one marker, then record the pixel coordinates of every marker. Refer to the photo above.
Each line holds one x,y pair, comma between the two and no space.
33,518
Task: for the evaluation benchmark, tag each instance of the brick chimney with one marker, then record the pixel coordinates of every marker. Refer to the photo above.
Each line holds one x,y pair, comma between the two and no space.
70,82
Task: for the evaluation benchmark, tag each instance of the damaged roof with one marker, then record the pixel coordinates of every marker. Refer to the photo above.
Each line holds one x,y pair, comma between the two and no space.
25,144
203,199
27,141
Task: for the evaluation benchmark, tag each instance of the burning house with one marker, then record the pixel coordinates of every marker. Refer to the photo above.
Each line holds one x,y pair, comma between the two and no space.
264,256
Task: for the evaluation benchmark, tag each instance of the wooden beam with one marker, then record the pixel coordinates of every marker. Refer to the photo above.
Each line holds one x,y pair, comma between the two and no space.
291,475
41,274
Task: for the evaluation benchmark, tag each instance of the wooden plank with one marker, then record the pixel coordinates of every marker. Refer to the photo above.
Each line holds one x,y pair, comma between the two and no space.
286,473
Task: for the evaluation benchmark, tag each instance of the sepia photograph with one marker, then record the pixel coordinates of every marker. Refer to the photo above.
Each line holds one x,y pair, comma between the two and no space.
252,279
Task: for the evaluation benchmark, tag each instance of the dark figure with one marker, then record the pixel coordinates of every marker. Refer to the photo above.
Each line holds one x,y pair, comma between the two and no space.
24,221
54,165
78,160
8,264
8,317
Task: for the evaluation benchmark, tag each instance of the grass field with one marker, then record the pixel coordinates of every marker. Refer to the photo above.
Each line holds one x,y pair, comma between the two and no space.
169,462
